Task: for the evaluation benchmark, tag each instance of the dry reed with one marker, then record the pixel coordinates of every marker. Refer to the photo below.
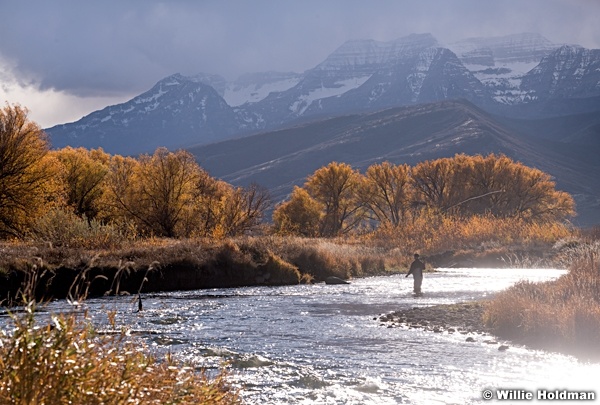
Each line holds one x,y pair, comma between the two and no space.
563,314
67,362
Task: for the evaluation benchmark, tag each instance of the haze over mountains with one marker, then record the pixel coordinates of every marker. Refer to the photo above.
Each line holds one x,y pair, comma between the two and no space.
521,95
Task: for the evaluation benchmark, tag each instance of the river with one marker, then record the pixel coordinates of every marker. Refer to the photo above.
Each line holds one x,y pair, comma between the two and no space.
323,344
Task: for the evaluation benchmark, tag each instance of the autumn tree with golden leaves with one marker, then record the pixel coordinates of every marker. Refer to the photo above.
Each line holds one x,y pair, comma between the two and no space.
300,215
27,186
386,192
496,185
83,174
156,191
336,187
339,198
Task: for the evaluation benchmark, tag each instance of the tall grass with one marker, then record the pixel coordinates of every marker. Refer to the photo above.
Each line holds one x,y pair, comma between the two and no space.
563,314
318,258
68,362
63,228
434,233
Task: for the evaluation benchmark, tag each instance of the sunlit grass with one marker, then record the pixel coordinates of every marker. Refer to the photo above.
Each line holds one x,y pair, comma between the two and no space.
434,233
563,314
68,362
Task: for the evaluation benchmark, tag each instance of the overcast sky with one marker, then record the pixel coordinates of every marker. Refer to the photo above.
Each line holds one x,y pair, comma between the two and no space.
64,59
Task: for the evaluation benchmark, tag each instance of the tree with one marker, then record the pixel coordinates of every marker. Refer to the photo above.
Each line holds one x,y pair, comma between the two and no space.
336,186
210,201
25,172
533,196
154,191
164,189
386,192
435,184
84,174
487,185
119,200
470,185
244,209
300,215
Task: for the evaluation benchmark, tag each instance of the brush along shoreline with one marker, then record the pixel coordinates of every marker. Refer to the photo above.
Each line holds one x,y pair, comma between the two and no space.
172,265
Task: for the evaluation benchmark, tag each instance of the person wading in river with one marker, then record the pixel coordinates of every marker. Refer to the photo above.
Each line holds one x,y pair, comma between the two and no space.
416,269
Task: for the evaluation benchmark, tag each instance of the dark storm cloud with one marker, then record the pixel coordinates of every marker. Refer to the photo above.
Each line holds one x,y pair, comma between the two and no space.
116,46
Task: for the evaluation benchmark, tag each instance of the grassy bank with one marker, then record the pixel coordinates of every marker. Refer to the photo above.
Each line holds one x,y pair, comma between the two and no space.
182,264
68,362
562,315
162,264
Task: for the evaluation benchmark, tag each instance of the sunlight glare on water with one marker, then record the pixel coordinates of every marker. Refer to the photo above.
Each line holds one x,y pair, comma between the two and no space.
323,344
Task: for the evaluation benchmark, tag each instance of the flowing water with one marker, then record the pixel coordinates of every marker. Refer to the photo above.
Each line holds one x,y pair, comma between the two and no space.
323,344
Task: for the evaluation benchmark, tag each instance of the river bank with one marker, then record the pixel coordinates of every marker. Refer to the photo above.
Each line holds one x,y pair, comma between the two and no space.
155,265
469,319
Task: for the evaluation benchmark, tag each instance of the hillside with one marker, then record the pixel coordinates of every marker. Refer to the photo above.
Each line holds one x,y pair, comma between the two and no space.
281,159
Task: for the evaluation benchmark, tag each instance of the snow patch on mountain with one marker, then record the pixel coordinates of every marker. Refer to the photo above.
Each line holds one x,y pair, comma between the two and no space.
504,80
500,63
338,88
236,94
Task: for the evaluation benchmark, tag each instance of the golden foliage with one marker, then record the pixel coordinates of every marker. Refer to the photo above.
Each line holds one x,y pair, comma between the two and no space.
386,192
168,194
335,186
429,231
300,215
83,175
436,192
26,175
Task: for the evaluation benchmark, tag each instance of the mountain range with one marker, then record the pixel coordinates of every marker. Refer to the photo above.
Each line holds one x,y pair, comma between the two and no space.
404,101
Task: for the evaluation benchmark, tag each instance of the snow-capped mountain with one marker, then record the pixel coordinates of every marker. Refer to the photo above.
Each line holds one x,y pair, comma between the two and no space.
173,112
368,75
522,75
254,87
501,62
568,72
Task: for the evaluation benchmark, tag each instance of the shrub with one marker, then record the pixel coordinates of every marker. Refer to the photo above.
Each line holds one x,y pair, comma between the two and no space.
319,258
62,228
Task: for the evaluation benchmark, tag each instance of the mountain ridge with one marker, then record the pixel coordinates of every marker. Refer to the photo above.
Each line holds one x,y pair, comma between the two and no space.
360,75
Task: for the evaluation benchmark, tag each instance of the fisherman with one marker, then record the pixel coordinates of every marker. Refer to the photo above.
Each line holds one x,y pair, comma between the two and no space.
416,269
